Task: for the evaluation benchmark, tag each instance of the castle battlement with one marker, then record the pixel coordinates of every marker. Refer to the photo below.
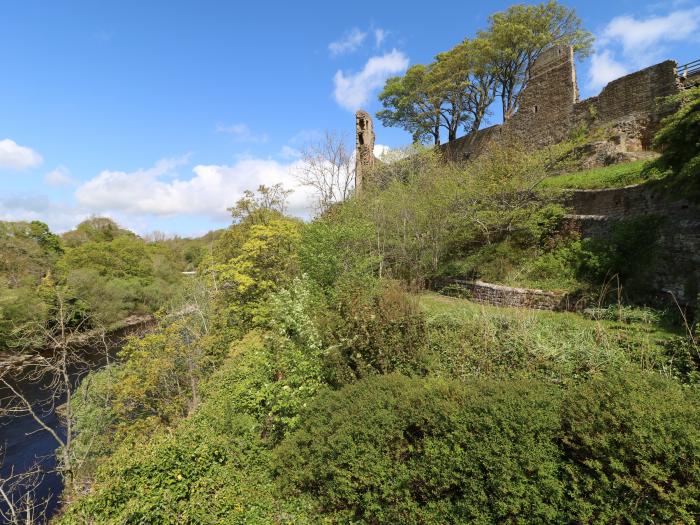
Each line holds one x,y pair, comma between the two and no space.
550,111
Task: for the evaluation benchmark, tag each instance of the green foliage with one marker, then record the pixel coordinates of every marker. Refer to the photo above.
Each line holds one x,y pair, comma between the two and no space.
95,229
540,227
194,475
679,137
375,331
214,467
628,253
261,259
632,443
28,254
411,102
396,450
119,277
617,448
429,212
337,251
614,176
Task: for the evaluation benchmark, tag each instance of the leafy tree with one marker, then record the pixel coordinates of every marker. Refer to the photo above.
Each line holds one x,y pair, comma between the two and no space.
516,37
265,260
466,79
475,85
412,103
258,207
95,229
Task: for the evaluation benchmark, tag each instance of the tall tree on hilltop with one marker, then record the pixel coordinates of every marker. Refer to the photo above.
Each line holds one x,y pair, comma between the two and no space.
466,78
411,102
517,36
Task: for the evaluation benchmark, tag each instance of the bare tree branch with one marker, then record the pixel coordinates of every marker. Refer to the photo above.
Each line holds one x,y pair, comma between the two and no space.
327,167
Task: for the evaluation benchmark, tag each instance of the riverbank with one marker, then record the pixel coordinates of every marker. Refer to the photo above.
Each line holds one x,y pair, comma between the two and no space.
132,325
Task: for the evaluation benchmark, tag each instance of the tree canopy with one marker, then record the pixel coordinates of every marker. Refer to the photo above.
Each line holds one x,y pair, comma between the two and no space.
455,91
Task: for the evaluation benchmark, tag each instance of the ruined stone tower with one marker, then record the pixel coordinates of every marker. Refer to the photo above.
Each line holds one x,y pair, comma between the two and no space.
364,147
547,103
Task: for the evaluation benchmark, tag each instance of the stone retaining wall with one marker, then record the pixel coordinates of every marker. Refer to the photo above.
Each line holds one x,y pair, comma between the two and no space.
676,265
499,295
642,199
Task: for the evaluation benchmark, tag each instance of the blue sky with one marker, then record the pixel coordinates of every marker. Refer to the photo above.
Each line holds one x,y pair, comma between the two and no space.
160,113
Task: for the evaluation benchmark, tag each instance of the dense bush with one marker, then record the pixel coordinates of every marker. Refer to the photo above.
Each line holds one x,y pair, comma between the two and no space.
375,330
618,448
631,443
195,474
397,450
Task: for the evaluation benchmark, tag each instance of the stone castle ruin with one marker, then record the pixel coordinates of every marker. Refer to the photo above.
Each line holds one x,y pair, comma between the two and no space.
364,146
628,110
550,111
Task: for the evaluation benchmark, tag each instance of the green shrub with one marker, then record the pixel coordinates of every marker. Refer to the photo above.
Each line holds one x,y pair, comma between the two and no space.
397,450
619,447
541,226
679,138
632,446
374,331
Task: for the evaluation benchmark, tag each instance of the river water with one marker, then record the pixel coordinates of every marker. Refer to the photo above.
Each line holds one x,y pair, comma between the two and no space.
27,444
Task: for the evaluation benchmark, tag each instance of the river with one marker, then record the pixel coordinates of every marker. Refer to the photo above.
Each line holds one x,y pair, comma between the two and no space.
27,444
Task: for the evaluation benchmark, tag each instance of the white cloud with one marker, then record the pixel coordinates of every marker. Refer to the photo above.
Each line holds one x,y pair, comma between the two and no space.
350,42
160,191
604,68
242,133
379,36
352,90
628,43
16,157
380,150
288,152
60,216
640,39
59,177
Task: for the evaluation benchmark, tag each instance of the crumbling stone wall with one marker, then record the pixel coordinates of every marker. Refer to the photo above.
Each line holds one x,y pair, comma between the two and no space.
630,103
470,145
364,147
549,110
546,104
677,263
499,295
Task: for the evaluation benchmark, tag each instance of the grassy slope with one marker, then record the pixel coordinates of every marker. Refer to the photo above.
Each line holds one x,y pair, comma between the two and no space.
614,176
468,339
503,264
651,332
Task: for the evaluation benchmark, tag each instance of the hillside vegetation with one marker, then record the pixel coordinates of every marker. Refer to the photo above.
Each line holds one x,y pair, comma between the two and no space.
311,382
306,375
98,274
